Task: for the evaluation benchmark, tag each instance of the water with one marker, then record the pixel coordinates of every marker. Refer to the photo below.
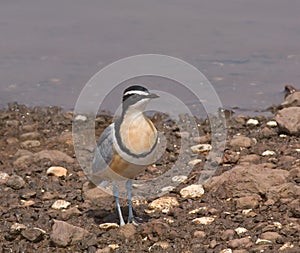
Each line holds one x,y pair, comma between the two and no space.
248,49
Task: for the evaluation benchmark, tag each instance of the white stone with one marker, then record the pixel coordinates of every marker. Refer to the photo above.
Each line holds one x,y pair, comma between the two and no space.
204,220
262,241
252,122
272,123
107,226
268,153
197,210
192,191
57,171
194,162
3,177
18,227
287,245
168,188
282,135
201,148
113,246
240,230
81,118
246,211
277,224
226,251
179,179
60,204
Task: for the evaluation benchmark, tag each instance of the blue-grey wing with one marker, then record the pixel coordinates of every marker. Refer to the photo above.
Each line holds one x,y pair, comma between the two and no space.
104,152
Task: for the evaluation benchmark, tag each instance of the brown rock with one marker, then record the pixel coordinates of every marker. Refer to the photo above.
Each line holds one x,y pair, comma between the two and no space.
251,201
64,234
199,234
291,100
271,236
55,156
33,234
128,231
240,243
23,152
23,161
11,140
246,180
30,136
15,182
30,144
288,120
295,175
240,141
250,158
228,234
267,132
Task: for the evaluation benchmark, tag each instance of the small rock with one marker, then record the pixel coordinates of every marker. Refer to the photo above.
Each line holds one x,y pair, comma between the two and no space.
244,242
198,210
23,152
64,234
60,204
29,128
3,177
69,213
168,188
268,153
272,123
199,234
30,136
113,246
194,162
202,139
262,241
288,120
15,182
33,234
80,118
55,156
104,250
252,122
108,226
271,236
30,144
11,140
251,201
267,132
27,203
240,141
12,123
128,231
28,194
57,171
179,179
250,158
292,100
287,245
17,228
201,148
226,251
203,220
192,191
240,230
159,245
163,203
228,234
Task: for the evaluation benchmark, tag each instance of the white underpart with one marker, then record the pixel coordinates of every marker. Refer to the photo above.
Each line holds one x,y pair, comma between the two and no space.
138,92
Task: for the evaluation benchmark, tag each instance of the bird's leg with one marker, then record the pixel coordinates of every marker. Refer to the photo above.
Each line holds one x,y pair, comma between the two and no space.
116,195
130,213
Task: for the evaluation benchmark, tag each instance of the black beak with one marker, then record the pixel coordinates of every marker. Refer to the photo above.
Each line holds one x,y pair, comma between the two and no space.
152,96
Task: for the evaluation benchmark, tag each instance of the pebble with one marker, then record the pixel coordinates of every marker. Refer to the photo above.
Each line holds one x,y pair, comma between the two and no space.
251,201
194,162
57,171
163,203
159,245
113,246
268,153
168,188
80,118
30,136
252,122
179,179
108,226
203,220
239,243
11,140
271,236
33,234
272,123
262,241
30,144
199,234
17,227
226,251
198,210
240,141
240,230
60,204
201,148
287,245
3,177
192,191
15,182
64,234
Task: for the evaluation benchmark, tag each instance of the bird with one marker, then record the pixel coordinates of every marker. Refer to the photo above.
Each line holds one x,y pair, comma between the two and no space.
126,147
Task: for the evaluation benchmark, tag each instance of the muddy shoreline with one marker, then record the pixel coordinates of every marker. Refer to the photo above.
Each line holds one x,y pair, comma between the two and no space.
250,205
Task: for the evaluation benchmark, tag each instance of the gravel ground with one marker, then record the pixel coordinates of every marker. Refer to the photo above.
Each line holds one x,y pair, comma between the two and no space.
250,205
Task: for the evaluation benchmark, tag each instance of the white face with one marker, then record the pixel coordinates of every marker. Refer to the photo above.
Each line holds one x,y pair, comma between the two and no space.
140,105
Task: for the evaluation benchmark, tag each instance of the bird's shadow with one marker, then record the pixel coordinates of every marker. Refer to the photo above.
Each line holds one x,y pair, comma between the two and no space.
111,216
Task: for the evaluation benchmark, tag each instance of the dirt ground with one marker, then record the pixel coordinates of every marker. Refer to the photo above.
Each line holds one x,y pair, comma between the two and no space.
251,205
